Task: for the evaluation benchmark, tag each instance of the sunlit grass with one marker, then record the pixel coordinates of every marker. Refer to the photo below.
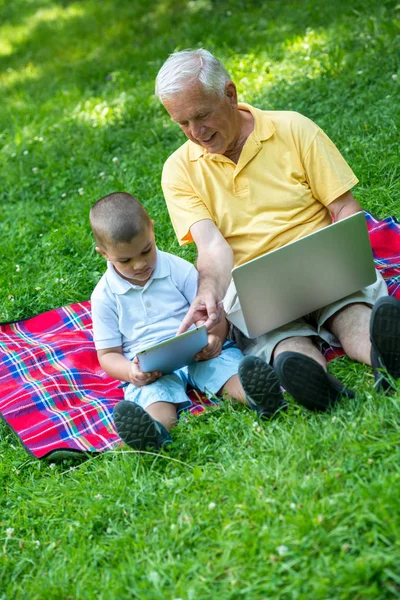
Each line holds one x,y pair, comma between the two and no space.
304,56
13,36
13,77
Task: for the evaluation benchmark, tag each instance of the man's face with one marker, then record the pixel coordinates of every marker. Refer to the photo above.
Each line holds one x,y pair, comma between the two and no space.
209,120
135,260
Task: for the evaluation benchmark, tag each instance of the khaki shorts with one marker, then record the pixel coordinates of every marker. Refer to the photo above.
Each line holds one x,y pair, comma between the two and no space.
310,325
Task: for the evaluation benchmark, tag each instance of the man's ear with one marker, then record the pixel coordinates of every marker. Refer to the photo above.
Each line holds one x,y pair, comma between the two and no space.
100,251
231,93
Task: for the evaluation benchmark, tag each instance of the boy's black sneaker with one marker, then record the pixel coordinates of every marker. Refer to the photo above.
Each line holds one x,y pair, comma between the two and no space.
308,383
261,385
385,342
137,428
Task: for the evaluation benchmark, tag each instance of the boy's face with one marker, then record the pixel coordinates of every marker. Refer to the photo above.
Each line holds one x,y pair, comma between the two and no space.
135,260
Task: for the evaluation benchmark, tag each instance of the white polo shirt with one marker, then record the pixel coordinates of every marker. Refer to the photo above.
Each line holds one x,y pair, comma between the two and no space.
133,316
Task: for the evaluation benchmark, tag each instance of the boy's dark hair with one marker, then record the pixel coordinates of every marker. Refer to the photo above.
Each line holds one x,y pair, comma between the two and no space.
117,218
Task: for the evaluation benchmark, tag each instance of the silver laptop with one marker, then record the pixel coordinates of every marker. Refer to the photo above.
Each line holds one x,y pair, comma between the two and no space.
302,276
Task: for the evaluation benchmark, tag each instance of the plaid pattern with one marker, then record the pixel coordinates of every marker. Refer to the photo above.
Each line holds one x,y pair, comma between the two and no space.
54,394
385,242
384,236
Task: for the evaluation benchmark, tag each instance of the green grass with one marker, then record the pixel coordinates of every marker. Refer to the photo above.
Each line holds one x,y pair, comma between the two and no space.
304,507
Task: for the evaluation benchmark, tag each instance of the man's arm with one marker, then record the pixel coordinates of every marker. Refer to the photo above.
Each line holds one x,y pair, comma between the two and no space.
343,207
214,264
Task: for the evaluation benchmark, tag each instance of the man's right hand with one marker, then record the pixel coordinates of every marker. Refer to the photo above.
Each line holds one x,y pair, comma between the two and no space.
206,309
214,264
138,378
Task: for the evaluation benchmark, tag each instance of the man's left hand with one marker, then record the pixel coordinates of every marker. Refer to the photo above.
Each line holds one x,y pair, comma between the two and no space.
212,349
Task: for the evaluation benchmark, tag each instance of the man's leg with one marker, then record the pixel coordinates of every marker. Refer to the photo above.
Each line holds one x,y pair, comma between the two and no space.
300,366
351,327
346,322
302,370
359,327
301,345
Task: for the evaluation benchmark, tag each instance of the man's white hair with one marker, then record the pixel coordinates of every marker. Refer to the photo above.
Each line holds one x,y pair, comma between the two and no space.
186,67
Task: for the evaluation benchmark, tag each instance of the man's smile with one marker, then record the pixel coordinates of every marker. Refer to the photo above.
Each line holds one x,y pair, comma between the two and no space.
210,139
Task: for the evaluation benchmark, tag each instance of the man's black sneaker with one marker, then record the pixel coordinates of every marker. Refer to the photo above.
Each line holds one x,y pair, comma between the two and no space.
385,342
308,383
261,385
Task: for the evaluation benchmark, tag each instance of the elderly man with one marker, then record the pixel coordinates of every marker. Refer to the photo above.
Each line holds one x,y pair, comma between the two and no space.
248,181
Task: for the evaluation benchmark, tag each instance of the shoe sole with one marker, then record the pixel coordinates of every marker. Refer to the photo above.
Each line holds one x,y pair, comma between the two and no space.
135,426
385,338
306,381
261,386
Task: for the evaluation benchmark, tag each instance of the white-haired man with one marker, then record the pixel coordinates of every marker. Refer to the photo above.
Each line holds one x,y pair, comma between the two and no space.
248,181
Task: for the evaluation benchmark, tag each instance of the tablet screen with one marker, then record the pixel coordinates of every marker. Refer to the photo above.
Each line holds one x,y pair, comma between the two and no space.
174,353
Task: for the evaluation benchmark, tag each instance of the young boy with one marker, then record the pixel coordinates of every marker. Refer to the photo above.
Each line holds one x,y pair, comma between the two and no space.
140,301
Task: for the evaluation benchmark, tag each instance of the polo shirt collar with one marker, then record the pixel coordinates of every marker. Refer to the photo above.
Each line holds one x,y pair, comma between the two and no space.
195,151
263,130
119,285
263,126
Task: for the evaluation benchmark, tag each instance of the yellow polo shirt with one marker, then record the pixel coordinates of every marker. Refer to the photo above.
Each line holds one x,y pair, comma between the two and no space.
288,173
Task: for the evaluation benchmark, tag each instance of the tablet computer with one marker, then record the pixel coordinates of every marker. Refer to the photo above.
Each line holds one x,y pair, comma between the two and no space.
174,353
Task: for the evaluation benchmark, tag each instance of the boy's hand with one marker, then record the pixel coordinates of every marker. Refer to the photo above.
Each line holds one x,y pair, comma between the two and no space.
212,349
138,378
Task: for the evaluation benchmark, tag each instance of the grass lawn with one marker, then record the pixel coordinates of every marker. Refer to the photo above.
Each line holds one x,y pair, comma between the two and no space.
304,507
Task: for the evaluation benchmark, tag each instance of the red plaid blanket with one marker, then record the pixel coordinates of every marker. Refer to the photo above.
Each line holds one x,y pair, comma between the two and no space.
54,394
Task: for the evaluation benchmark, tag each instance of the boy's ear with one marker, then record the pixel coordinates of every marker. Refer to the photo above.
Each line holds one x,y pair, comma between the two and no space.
100,251
152,224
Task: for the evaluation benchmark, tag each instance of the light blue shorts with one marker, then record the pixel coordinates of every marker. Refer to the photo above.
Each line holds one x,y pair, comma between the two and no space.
207,376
